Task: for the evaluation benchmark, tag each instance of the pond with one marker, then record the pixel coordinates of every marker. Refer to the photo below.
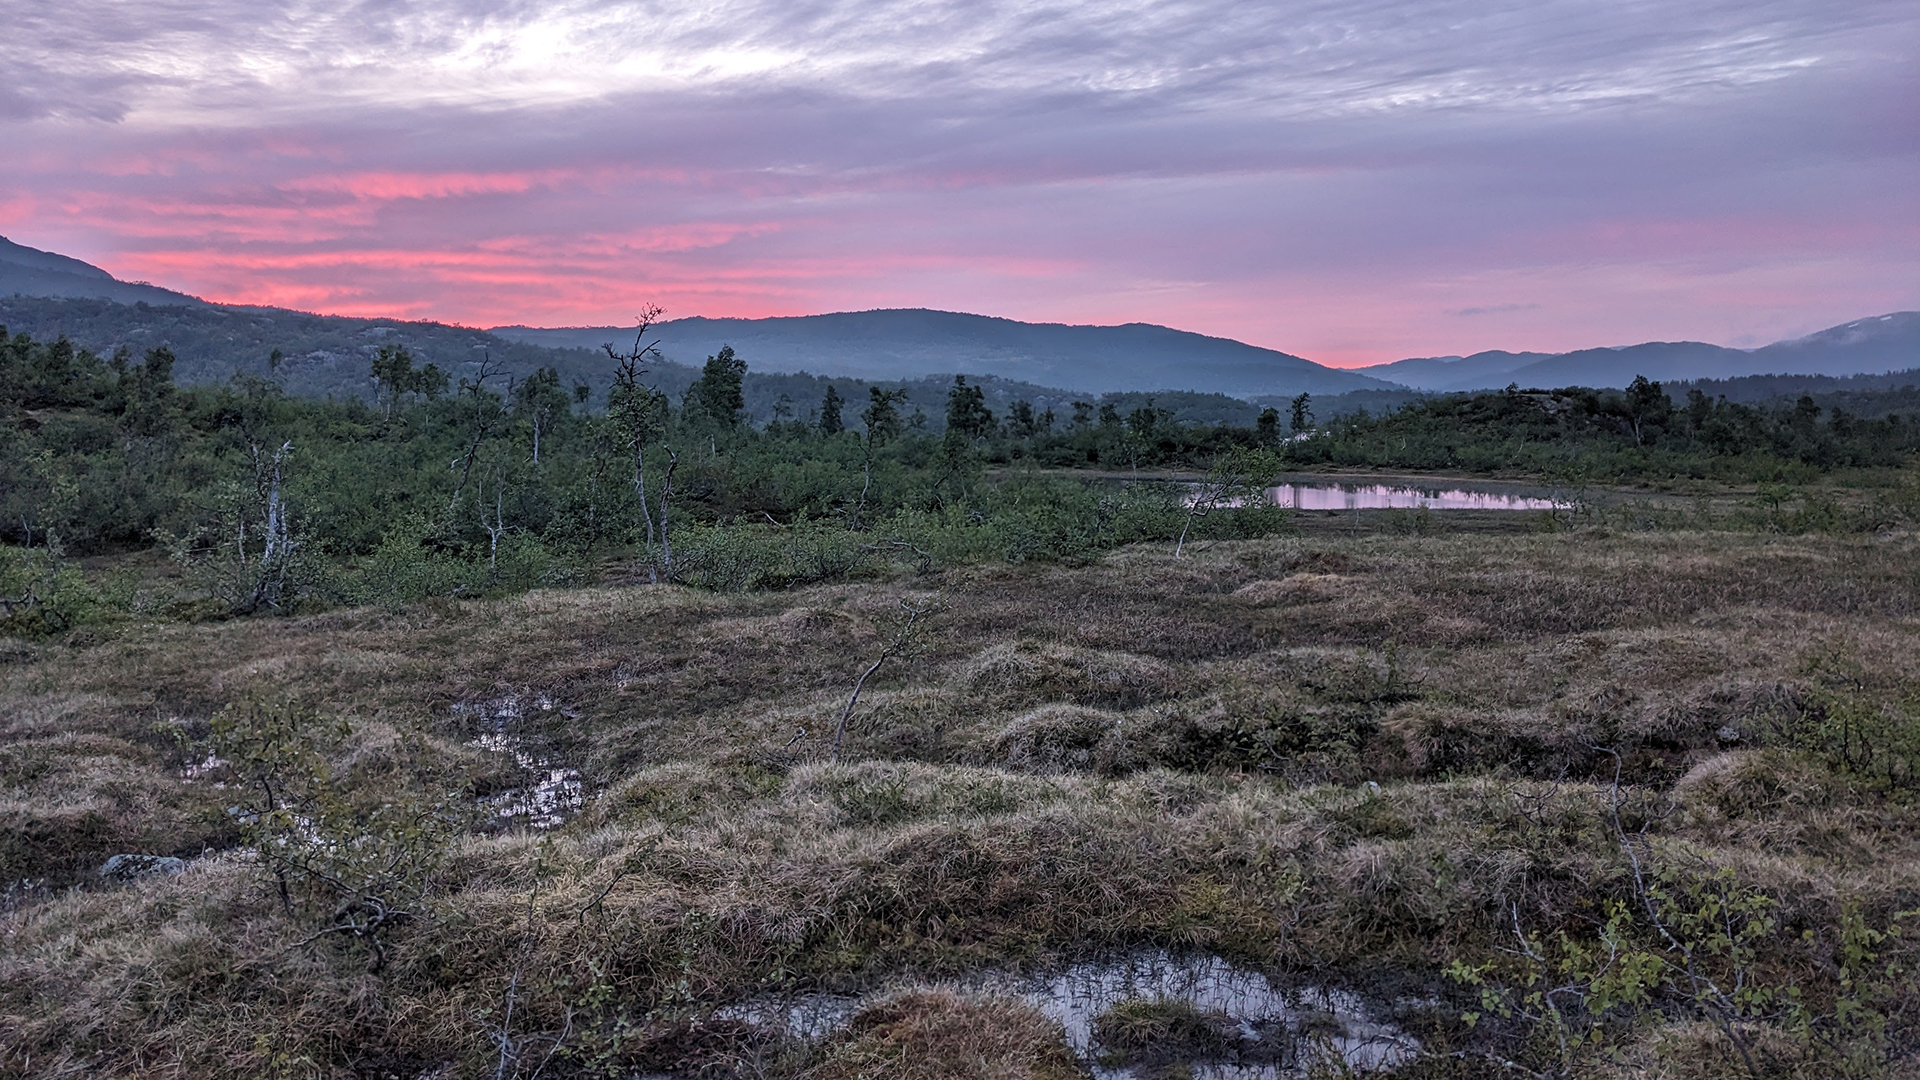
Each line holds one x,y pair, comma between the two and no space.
1330,495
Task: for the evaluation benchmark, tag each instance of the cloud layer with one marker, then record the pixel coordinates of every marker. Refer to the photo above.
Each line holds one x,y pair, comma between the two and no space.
1351,181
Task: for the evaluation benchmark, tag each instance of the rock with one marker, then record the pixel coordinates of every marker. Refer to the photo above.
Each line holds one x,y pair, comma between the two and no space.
135,867
1729,734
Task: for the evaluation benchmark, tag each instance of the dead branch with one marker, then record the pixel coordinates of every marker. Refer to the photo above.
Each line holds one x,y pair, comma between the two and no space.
484,420
902,643
1723,1007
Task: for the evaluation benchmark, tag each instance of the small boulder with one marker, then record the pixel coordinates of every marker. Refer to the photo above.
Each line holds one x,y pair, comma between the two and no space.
135,867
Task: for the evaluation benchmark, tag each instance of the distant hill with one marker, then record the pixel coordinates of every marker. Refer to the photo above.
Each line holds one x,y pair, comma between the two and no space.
330,355
1454,372
47,294
913,342
1865,346
321,355
1862,347
26,271
886,346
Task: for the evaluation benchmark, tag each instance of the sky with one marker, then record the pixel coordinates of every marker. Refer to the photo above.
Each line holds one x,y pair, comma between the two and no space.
1353,181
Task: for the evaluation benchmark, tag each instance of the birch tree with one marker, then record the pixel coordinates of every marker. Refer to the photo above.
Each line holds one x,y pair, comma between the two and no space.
640,411
1238,478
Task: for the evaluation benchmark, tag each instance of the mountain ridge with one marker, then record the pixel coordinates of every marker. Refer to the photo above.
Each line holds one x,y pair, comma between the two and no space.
1872,345
32,272
897,343
904,344
880,345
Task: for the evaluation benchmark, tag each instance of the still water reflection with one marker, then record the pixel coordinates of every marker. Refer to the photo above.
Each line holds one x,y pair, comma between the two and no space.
1286,1031
1330,496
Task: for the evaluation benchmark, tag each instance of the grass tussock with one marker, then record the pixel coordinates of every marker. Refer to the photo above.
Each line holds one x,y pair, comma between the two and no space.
1422,764
1156,1024
941,1035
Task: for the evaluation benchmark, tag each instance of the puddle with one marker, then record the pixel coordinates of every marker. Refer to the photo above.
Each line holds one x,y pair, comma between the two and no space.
207,766
555,793
1315,1024
1327,496
1077,996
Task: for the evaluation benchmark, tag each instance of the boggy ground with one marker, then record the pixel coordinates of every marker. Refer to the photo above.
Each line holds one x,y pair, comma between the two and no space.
1420,767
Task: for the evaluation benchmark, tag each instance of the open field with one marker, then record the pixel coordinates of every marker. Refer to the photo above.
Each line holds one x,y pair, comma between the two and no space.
1422,769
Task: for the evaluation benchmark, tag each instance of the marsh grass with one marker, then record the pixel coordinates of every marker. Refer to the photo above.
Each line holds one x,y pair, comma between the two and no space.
1367,755
1154,1023
942,1035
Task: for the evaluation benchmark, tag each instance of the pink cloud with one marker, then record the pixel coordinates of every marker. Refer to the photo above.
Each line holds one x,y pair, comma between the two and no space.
1348,253
394,186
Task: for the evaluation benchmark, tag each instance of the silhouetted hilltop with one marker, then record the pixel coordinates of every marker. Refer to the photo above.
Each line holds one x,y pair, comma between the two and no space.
909,343
1874,345
26,271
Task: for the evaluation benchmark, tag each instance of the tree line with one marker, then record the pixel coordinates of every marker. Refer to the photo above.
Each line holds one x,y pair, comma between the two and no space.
465,482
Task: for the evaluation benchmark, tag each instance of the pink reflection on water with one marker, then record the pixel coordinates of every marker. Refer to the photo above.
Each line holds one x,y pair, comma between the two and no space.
1389,497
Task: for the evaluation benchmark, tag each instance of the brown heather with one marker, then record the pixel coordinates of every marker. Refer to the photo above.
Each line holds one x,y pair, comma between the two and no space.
1358,756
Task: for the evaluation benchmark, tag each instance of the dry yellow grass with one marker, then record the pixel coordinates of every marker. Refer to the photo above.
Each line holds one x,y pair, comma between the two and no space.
1358,755
941,1035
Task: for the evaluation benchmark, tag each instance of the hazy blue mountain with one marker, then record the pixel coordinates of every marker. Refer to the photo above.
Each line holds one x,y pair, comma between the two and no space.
321,355
48,294
1867,346
1454,372
914,342
1662,361
330,356
26,271
1872,345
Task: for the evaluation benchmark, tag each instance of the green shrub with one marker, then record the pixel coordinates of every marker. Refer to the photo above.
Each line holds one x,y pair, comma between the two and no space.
1856,733
745,557
43,595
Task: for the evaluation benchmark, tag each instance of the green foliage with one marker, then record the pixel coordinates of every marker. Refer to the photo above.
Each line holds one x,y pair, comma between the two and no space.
968,417
35,375
1699,940
882,415
244,552
1040,519
1862,735
42,594
396,378
716,396
1300,415
274,503
1605,435
1783,508
1236,482
1581,998
1871,1011
830,406
744,557
415,561
539,403
1021,519
1266,428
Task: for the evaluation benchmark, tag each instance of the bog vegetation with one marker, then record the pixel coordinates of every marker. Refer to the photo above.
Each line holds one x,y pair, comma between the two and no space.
470,730
483,484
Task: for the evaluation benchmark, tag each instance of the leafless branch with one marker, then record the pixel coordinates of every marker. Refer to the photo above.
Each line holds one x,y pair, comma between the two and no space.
902,642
